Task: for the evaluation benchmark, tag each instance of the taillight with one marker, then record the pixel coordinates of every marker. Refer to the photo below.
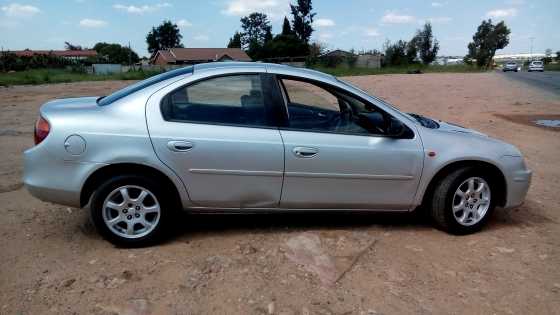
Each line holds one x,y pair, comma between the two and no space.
42,129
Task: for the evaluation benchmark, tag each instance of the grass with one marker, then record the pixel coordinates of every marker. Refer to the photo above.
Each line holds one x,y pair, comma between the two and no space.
346,71
43,76
552,67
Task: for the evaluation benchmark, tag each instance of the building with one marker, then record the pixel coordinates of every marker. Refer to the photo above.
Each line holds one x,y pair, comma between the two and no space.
68,54
522,56
337,53
191,56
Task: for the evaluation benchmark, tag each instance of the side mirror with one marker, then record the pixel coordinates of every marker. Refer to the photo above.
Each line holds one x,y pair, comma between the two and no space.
395,128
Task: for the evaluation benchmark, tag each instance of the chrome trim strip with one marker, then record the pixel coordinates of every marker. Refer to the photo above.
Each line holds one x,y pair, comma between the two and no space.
349,176
235,172
201,209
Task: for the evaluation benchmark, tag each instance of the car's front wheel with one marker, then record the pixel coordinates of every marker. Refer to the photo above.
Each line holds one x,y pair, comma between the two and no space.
131,210
462,202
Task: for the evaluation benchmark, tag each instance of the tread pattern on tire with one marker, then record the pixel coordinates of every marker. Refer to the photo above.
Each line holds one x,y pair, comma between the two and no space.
442,197
166,204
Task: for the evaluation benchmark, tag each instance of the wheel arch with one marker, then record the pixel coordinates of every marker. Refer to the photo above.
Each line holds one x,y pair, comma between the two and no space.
102,174
492,169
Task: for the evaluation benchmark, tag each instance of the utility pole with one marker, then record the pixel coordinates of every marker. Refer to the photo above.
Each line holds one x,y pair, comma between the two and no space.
531,55
129,55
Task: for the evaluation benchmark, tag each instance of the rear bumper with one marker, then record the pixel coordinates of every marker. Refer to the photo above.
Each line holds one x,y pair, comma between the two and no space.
54,180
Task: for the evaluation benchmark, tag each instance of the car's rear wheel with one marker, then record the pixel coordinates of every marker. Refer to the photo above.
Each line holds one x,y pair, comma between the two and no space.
462,202
131,210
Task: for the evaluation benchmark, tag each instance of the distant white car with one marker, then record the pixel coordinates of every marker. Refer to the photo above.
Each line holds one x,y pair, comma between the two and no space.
510,66
536,66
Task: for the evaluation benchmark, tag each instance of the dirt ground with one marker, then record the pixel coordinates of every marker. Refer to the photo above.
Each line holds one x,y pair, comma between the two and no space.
52,260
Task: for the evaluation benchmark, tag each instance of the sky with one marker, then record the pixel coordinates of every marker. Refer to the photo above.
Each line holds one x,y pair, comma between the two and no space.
358,24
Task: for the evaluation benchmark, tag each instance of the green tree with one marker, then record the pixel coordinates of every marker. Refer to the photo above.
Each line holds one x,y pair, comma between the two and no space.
285,46
395,53
426,44
558,55
256,32
487,39
547,56
286,27
69,46
165,36
235,41
412,50
115,53
303,18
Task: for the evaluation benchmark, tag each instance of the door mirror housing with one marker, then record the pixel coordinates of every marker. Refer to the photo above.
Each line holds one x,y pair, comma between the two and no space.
396,128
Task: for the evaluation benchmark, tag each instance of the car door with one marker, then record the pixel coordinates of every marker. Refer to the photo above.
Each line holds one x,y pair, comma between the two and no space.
218,135
337,156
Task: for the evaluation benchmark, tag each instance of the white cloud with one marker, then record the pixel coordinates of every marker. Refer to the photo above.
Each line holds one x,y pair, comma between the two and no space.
438,4
184,23
515,2
324,36
141,9
437,20
502,13
20,10
323,23
275,9
93,23
201,38
395,18
372,32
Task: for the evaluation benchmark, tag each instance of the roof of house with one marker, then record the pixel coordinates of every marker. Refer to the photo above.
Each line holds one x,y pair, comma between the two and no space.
59,53
338,52
202,54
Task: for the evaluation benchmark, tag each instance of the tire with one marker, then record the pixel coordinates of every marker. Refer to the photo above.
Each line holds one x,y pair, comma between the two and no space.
149,217
444,199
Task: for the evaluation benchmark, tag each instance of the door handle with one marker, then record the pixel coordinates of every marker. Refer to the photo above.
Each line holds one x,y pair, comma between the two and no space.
305,152
179,145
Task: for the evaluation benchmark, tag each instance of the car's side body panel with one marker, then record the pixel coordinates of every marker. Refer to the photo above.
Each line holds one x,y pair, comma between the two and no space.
112,134
456,145
350,171
228,166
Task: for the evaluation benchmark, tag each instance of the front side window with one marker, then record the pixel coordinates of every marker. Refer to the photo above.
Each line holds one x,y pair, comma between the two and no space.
314,108
235,99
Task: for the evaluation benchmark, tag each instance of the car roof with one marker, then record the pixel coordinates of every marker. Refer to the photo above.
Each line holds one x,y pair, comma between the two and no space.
264,67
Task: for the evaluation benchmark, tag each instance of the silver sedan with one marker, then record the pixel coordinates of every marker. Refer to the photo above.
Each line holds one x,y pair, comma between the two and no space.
248,137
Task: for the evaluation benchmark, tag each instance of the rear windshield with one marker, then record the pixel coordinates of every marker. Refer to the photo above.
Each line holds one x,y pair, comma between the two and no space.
106,100
537,63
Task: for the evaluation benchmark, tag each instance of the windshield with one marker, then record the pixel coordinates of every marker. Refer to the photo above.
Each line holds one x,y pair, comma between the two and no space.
538,63
106,100
412,119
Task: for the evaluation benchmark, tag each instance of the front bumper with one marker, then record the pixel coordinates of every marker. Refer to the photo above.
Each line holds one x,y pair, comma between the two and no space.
518,180
55,180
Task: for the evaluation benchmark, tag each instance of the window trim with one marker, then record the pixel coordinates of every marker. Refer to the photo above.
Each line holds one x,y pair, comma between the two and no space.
271,116
328,88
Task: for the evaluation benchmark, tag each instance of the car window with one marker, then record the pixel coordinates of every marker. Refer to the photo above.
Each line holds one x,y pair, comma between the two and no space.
235,99
106,100
314,108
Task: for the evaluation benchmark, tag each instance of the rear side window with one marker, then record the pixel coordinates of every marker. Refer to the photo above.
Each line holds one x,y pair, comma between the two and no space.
234,99
106,100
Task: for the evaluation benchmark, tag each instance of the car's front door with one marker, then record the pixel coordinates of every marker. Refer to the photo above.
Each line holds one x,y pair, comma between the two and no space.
337,155
218,136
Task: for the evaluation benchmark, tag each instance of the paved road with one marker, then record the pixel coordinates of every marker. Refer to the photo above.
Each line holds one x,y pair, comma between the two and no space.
548,80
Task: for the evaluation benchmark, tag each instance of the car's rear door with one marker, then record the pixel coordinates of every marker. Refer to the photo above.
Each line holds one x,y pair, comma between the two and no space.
332,162
218,134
